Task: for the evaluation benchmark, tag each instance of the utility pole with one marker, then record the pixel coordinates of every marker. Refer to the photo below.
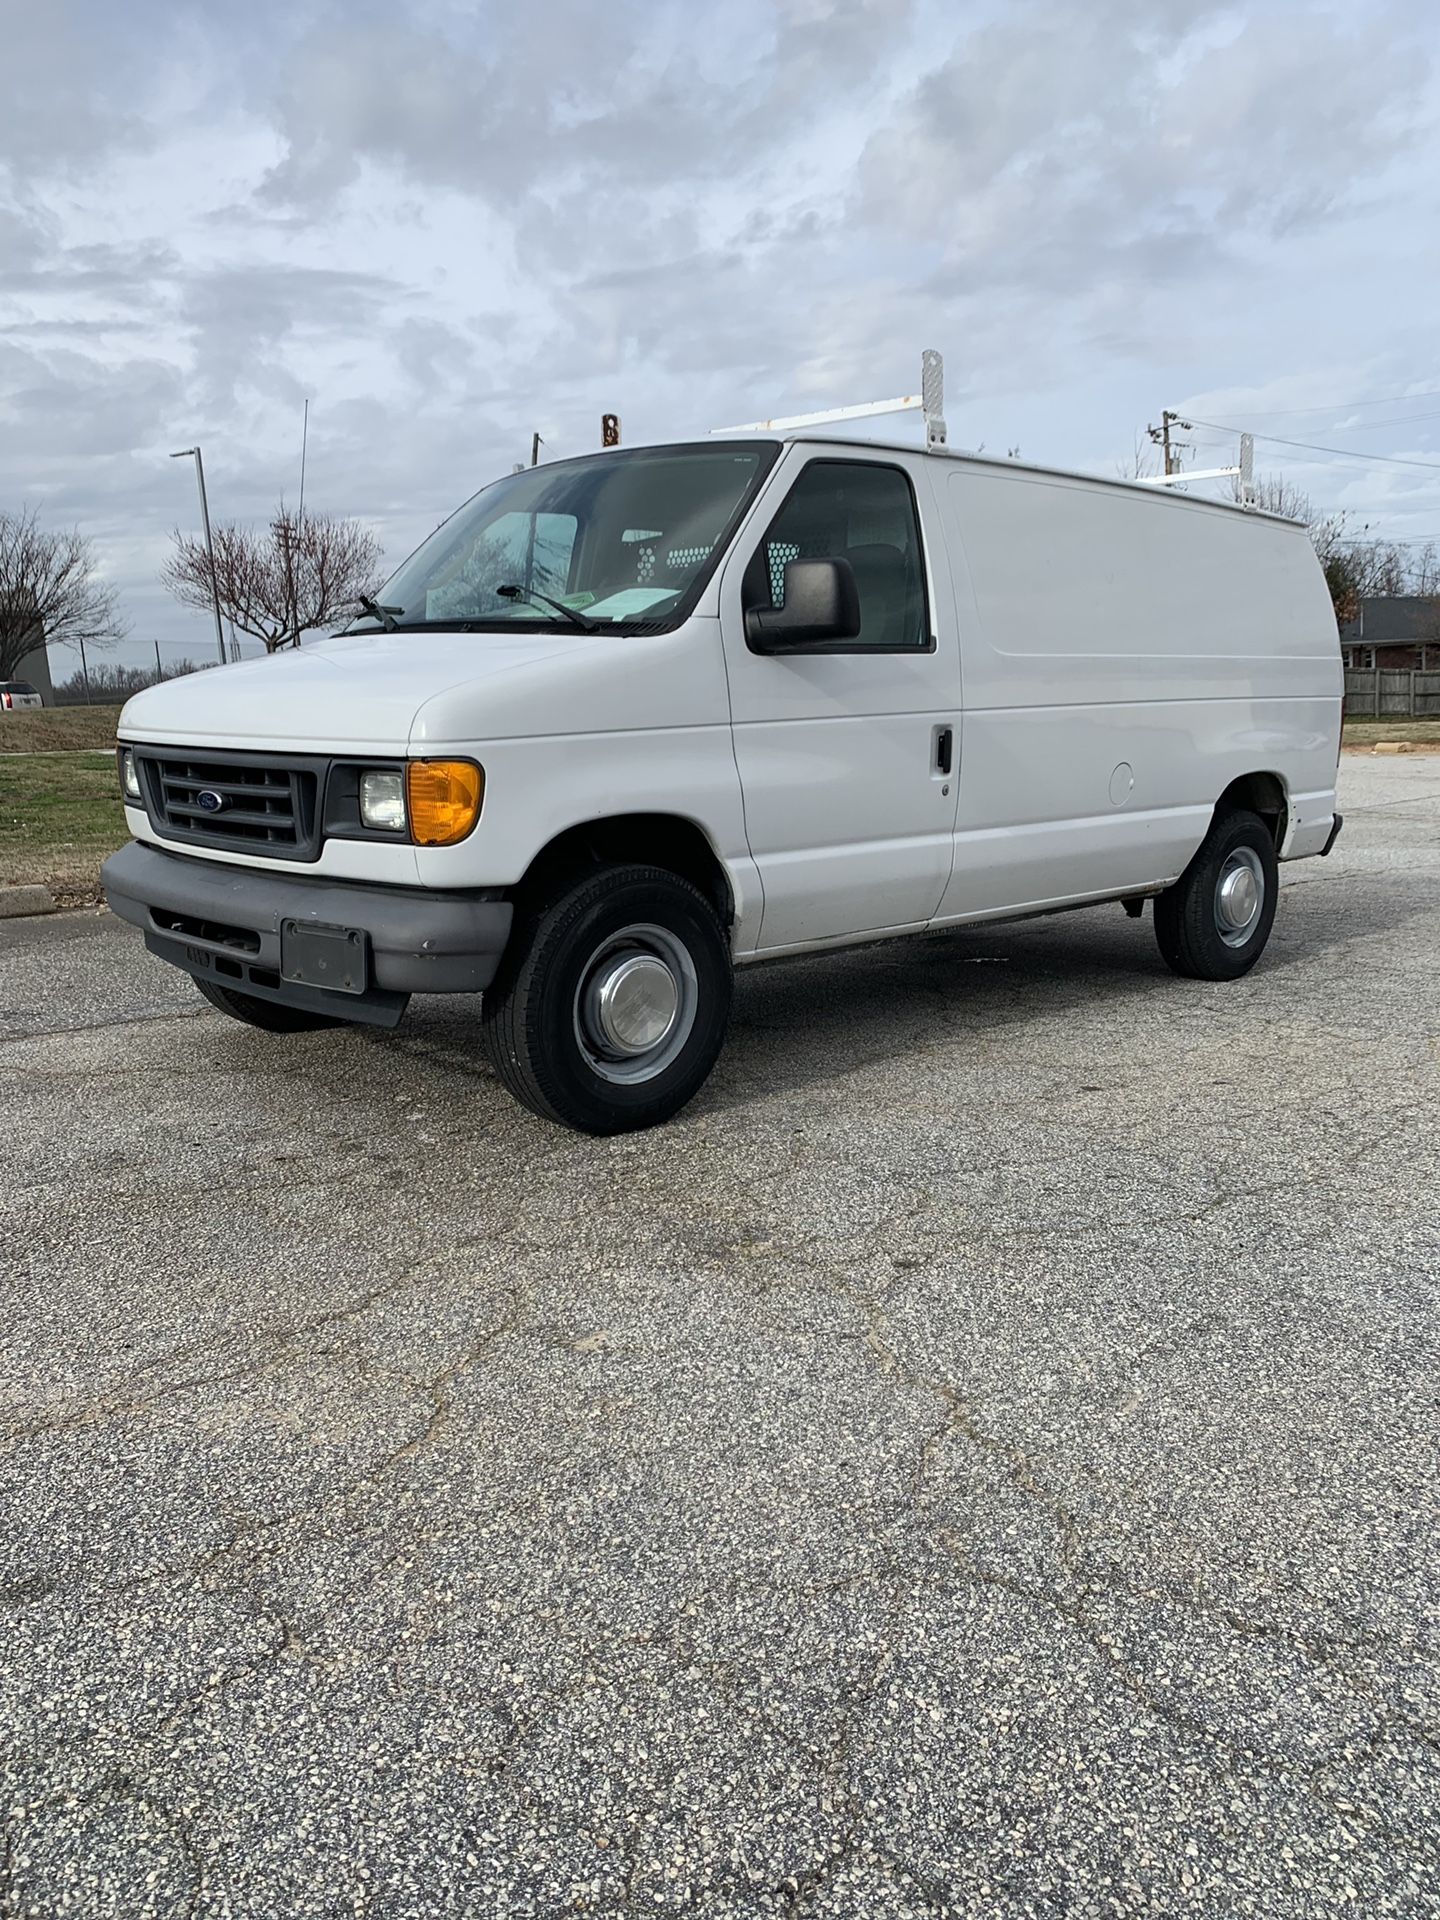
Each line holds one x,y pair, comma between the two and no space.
1161,436
535,445
283,532
184,454
84,672
159,670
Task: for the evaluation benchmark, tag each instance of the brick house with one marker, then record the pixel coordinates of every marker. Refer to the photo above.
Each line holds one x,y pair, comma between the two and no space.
1393,630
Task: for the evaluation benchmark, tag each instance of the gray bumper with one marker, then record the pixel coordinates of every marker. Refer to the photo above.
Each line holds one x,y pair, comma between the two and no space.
224,923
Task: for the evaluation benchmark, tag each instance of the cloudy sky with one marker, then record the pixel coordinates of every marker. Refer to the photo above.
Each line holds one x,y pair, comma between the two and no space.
450,224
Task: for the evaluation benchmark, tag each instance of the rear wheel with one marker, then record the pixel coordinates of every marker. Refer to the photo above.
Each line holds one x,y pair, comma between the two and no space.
269,1015
612,1004
1214,922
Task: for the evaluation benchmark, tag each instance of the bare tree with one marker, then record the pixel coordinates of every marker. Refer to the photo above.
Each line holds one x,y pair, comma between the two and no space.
1358,565
1144,463
274,584
50,592
1277,495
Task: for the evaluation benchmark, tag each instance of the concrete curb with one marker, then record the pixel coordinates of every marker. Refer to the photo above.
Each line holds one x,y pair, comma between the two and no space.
16,902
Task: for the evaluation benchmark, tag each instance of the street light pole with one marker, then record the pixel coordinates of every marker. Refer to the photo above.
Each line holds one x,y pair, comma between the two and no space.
184,454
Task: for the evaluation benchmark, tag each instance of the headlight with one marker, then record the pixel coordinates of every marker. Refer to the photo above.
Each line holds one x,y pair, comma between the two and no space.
445,800
130,777
382,801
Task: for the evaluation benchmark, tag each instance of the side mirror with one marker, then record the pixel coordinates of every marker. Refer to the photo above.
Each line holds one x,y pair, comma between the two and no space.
822,603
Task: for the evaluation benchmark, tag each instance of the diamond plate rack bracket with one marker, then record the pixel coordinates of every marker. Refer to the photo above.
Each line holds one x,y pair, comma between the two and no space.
932,396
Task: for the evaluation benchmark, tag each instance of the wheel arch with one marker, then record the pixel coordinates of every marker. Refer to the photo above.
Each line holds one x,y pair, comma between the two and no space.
667,840
1264,793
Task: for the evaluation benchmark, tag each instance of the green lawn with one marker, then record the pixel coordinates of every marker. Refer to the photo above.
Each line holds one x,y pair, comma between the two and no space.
60,815
47,729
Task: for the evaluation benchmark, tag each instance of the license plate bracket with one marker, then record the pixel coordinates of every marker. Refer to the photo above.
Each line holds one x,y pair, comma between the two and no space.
336,959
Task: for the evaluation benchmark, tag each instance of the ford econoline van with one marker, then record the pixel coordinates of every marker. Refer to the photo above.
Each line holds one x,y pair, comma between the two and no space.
629,721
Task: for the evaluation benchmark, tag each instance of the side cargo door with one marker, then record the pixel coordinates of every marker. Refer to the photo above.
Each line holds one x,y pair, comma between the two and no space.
848,752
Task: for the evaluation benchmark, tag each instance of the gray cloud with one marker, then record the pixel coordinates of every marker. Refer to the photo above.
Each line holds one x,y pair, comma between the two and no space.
23,242
512,104
54,104
64,405
450,227
1056,134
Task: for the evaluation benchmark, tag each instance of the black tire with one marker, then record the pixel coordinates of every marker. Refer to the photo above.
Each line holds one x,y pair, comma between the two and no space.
1205,936
269,1015
542,1018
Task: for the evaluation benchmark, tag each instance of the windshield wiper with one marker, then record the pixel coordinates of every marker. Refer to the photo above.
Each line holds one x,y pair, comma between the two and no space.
385,615
513,592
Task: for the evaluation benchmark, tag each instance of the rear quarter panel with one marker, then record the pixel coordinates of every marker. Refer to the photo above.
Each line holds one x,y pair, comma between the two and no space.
1126,656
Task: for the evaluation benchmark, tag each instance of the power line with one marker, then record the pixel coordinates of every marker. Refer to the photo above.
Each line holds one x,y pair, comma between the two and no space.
1341,453
1386,539
1404,420
1341,406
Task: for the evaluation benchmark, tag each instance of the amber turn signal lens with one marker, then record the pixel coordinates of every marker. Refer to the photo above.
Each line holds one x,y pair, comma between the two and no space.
444,799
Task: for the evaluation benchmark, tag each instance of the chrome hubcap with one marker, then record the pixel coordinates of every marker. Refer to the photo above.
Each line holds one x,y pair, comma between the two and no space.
636,1003
1239,896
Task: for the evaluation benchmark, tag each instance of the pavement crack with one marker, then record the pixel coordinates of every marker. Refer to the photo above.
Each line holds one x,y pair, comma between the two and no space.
272,1343
258,1535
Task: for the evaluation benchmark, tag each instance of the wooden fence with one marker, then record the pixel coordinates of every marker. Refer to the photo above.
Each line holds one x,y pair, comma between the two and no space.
1393,693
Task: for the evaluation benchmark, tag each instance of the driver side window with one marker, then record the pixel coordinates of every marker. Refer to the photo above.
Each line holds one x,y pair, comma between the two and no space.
861,512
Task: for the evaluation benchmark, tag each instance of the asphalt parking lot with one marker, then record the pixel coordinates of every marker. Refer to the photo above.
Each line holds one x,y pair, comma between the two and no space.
981,1460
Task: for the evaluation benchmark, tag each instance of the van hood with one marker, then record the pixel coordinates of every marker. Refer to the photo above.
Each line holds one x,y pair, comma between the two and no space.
360,693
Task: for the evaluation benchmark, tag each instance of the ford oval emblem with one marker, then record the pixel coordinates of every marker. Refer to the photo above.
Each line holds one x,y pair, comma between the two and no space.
210,800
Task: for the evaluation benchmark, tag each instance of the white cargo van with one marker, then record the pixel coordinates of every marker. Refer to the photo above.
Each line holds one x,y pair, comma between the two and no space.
628,721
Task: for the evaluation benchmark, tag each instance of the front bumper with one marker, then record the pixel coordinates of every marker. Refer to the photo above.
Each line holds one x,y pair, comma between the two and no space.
223,923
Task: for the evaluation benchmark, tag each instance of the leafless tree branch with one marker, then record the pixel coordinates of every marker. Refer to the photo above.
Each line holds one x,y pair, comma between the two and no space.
50,591
279,582
1358,565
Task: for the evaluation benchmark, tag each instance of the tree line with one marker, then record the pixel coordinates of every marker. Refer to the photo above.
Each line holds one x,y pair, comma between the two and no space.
1360,565
105,684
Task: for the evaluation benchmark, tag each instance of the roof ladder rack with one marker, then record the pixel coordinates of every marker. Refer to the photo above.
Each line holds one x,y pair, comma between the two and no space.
1244,473
930,401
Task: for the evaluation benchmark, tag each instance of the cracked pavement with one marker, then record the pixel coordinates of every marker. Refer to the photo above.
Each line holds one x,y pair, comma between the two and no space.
981,1460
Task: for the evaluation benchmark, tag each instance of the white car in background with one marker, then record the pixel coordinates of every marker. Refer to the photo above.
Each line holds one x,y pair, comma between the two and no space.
15,694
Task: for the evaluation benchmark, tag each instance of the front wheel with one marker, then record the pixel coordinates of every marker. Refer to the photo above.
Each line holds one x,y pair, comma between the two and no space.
1214,922
612,1005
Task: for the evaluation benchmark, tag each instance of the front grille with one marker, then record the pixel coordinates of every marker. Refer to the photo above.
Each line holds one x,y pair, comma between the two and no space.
266,806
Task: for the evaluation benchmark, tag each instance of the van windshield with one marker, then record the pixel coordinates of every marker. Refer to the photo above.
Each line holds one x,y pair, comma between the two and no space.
627,540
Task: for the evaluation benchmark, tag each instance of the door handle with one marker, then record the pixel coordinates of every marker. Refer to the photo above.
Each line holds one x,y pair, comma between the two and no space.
944,749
